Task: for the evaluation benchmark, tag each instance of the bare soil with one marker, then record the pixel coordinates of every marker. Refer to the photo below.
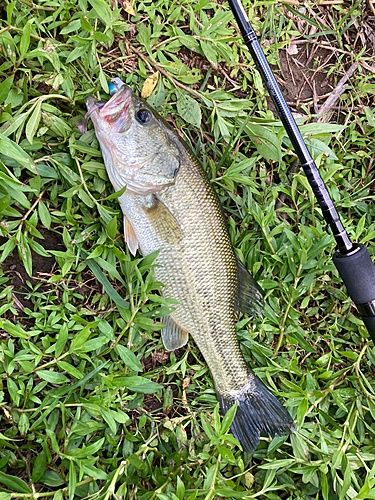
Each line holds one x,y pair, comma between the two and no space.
43,267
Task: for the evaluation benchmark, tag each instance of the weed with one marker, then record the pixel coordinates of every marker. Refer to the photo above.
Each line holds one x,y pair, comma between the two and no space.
91,404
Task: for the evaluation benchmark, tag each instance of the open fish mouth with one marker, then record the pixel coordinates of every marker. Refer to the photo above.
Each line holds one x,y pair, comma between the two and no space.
115,111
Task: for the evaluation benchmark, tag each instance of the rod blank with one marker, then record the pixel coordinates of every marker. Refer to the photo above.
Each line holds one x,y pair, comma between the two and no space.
352,261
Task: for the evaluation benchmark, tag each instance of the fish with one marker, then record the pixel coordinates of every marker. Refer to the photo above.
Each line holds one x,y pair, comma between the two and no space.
170,206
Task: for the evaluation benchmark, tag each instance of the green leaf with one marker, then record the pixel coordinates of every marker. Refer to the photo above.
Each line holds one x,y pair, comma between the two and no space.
83,335
72,480
25,39
324,484
5,87
86,25
39,467
33,122
189,110
138,384
120,416
46,171
96,473
91,449
180,489
61,340
207,426
52,478
363,492
226,454
53,377
98,273
8,247
318,147
110,421
347,480
24,253
129,358
266,142
15,330
103,11
44,214
14,483
23,424
116,194
228,418
78,52
4,203
230,493
72,370
103,81
301,412
72,26
112,228
13,150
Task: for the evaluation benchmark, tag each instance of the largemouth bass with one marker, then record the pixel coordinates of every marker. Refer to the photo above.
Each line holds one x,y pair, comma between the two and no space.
169,205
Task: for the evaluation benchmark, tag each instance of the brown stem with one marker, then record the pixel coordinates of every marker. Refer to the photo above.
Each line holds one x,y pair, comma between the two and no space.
38,7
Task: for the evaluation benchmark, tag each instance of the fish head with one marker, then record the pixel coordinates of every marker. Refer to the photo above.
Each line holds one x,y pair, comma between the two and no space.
137,145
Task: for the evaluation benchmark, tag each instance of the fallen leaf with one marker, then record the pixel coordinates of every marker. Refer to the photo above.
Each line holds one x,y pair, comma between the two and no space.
149,85
185,383
127,6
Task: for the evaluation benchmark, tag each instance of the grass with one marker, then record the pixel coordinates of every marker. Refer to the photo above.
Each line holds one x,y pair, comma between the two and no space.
91,405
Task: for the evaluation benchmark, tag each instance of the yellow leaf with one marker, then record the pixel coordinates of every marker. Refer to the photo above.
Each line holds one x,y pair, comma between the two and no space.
149,85
127,6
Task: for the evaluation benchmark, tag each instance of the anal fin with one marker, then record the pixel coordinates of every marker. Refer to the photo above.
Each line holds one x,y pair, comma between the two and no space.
130,237
173,335
250,294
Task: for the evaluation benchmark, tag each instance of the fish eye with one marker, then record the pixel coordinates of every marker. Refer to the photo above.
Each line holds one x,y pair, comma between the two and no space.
143,116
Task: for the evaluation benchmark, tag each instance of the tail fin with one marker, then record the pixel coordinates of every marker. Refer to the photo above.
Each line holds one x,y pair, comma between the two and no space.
258,413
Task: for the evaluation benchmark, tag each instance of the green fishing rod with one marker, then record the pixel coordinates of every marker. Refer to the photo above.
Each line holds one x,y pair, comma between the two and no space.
352,260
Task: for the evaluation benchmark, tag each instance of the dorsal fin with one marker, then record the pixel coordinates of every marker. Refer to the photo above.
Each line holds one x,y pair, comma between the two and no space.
250,294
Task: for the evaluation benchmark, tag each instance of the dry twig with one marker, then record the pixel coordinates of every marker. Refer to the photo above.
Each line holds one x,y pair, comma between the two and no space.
337,91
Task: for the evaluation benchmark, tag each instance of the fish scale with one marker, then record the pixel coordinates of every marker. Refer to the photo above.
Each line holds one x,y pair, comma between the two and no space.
171,207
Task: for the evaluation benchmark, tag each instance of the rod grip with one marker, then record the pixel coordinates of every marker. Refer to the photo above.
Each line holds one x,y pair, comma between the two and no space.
358,273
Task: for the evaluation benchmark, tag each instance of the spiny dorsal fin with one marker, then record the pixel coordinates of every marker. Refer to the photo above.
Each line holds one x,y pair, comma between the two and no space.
173,335
130,236
249,295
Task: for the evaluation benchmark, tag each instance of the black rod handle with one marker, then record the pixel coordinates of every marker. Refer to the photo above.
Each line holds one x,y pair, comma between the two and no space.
358,273
330,214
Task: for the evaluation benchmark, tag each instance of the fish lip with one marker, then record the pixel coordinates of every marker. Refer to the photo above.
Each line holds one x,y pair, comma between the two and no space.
118,105
93,105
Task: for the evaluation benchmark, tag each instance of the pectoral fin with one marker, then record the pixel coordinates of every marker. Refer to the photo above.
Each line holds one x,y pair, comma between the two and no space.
162,220
250,295
173,335
130,237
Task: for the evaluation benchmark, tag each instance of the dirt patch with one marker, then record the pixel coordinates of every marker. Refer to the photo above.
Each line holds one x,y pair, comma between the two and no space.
303,75
43,267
